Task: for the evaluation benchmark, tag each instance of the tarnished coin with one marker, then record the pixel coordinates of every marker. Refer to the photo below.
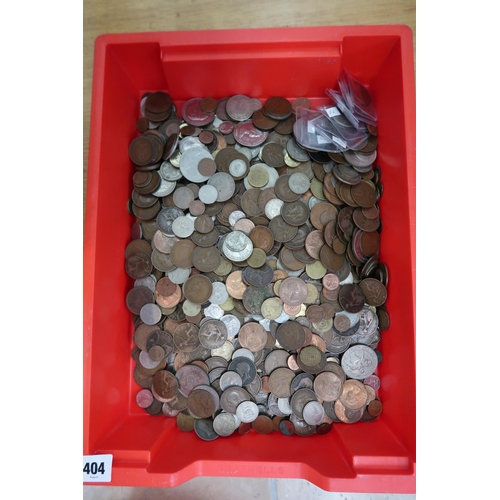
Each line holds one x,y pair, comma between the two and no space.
186,337
252,336
351,298
204,429
280,382
197,288
224,424
375,292
293,291
328,386
245,368
213,334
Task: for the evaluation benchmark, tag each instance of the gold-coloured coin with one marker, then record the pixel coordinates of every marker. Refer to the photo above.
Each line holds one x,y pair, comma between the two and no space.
316,270
166,311
225,267
317,189
228,305
175,159
302,311
272,308
258,177
190,309
224,351
290,162
312,294
257,259
324,325
276,287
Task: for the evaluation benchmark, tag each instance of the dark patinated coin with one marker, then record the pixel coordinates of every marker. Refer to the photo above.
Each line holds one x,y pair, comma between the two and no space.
351,298
245,369
295,213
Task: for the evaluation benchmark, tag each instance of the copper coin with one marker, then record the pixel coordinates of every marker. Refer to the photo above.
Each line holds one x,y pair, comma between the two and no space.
181,253
363,222
235,285
369,243
185,422
204,224
139,265
198,288
330,281
138,297
283,191
364,194
208,104
263,424
328,309
206,259
280,382
375,408
262,121
313,244
186,337
169,301
290,335
164,386
262,238
293,291
354,395
331,260
207,167
281,230
315,314
273,154
226,127
341,323
328,386
295,213
196,208
351,298
252,336
383,319
277,107
375,292
201,404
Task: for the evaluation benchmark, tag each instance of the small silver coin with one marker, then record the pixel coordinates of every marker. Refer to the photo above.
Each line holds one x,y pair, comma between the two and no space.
247,411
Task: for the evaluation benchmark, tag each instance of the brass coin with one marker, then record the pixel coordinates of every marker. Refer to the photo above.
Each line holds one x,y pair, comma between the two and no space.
257,259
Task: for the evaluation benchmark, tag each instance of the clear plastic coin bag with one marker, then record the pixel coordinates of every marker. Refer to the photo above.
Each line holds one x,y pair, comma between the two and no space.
308,135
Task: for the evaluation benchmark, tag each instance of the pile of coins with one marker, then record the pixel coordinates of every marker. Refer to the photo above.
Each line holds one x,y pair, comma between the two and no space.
258,295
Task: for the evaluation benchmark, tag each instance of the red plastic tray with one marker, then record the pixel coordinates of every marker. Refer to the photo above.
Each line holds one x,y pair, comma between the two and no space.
379,456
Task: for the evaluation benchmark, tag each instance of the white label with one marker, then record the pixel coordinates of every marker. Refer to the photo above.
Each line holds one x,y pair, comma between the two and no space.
97,468
321,140
310,128
332,111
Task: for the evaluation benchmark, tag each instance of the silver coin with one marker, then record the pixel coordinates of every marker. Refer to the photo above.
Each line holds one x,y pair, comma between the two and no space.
244,150
273,208
236,419
368,322
189,164
299,183
312,201
190,142
339,344
213,311
224,184
230,379
313,413
204,429
243,352
266,324
302,428
295,151
283,317
165,188
272,404
183,227
167,411
224,424
142,106
238,168
179,275
208,194
359,362
148,282
284,406
219,293
150,314
255,386
146,361
348,281
237,246
239,107
235,216
247,411
232,323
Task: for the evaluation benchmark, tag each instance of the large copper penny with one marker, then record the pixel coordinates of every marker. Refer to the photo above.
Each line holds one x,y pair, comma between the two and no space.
375,292
186,337
354,395
290,335
280,382
164,386
328,386
197,289
351,298
252,336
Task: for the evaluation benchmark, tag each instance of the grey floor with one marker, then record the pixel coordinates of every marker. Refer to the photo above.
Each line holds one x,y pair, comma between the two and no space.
210,488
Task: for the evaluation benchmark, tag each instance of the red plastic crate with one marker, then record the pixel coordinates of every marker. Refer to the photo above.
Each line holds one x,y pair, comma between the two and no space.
379,456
